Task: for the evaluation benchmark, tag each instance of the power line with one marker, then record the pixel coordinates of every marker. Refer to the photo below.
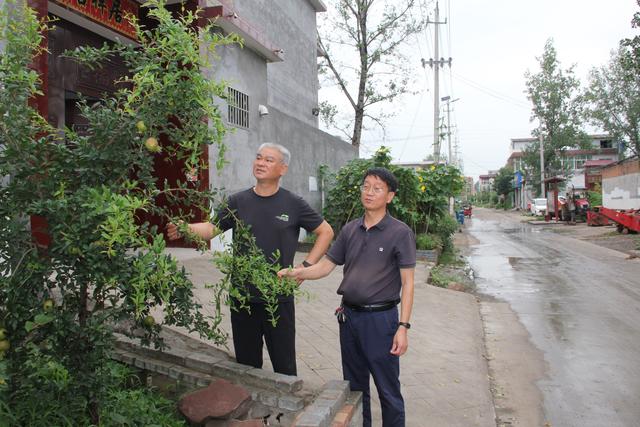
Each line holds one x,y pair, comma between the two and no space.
491,92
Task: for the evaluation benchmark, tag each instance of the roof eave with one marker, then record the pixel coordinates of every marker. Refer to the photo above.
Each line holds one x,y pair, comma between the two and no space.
229,21
318,5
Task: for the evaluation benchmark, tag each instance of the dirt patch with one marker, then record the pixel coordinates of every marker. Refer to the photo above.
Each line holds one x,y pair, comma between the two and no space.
605,236
463,241
627,243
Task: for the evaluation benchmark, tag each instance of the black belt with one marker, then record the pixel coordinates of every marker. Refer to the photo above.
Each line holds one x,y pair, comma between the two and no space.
382,306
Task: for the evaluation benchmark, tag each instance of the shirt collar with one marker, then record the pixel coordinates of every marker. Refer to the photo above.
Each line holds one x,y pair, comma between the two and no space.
380,225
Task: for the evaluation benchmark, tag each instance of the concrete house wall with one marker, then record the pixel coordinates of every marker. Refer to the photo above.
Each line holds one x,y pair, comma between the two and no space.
287,86
621,185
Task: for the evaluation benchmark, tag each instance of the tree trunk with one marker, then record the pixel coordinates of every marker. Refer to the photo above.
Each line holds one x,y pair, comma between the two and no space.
364,71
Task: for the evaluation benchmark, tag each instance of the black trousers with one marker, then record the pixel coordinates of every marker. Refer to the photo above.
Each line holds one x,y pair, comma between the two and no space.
249,330
365,343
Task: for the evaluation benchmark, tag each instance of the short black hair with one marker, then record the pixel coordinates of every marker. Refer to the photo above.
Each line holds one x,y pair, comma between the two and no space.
385,175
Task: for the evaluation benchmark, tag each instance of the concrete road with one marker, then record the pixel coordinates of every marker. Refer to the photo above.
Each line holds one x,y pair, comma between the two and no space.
562,324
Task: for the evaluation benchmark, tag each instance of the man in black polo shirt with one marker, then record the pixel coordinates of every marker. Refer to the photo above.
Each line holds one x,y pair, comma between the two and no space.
275,216
379,257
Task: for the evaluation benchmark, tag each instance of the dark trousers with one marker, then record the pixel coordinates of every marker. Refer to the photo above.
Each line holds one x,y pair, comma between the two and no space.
365,343
249,329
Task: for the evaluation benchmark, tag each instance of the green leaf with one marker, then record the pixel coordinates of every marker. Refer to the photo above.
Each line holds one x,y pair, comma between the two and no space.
43,319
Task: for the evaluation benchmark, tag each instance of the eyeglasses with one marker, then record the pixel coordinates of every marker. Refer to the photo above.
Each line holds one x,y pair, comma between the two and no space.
367,189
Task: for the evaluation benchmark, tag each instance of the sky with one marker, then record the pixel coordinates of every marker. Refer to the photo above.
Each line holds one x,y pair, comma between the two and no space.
493,44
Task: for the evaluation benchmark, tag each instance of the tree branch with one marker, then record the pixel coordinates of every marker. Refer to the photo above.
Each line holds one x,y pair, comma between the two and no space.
333,69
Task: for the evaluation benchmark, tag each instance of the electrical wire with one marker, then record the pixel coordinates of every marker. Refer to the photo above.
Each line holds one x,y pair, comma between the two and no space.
491,92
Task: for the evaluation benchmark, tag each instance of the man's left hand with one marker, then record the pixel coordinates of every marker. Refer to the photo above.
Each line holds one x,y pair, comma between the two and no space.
400,342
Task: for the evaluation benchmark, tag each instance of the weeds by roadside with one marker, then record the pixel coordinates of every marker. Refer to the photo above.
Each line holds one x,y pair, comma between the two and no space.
452,272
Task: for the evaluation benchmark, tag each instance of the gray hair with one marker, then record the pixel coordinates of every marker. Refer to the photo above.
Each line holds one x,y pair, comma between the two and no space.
286,155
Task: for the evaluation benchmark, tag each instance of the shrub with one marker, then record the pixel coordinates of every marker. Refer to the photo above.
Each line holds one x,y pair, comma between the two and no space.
126,402
102,264
422,195
439,277
595,197
429,241
443,226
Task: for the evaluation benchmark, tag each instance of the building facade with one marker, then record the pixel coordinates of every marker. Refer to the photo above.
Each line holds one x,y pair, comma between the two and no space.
621,184
603,149
273,81
273,92
485,182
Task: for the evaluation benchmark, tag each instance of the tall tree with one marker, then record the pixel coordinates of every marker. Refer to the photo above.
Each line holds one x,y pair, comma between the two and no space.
503,182
558,107
613,98
375,30
633,44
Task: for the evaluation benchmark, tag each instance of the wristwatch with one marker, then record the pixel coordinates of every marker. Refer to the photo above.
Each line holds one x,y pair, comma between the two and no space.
306,264
405,324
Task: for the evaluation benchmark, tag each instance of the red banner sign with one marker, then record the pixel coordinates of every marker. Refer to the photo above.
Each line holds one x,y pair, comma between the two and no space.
110,13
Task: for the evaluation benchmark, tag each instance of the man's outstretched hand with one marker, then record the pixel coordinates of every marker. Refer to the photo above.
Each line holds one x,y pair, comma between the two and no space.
172,231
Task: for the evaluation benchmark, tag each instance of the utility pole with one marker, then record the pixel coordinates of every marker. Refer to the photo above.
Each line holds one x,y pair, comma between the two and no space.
541,139
436,63
449,101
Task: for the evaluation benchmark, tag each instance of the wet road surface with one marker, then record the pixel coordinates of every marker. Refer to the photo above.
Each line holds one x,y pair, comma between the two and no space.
580,303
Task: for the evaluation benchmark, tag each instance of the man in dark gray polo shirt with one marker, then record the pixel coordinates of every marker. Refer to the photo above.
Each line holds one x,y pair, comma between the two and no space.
379,257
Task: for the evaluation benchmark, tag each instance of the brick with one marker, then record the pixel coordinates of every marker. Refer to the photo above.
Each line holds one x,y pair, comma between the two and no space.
318,417
124,357
202,362
267,398
274,381
336,385
189,377
230,370
337,395
166,355
162,368
140,362
291,403
175,372
289,383
343,417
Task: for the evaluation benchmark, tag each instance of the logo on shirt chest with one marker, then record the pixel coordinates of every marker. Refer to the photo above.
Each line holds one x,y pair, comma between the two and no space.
283,217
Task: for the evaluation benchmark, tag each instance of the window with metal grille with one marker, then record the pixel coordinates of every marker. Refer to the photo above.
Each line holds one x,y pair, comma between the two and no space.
237,108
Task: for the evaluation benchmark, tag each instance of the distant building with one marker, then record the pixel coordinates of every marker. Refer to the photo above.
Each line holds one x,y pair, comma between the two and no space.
603,149
424,164
469,188
485,182
593,172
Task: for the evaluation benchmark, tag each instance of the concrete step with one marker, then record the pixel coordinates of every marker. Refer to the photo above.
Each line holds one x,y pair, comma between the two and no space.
215,363
336,405
350,415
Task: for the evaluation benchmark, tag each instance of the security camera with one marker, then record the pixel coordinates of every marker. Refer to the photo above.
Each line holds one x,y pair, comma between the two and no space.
263,110
315,111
